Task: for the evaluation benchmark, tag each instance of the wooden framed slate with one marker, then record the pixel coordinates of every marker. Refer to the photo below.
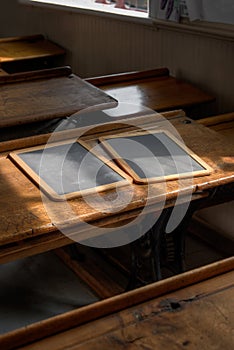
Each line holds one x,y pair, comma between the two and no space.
68,169
154,156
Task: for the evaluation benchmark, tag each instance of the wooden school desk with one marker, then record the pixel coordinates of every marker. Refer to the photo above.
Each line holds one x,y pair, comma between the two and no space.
155,89
26,229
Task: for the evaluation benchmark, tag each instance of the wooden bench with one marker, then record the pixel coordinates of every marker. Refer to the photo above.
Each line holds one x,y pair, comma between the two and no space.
155,89
25,53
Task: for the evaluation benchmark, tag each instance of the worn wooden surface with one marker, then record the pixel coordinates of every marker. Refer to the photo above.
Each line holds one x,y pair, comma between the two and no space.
223,124
47,94
195,317
46,238
23,216
191,309
155,89
27,47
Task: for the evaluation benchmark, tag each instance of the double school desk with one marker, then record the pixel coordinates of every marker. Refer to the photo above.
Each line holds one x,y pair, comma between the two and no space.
25,227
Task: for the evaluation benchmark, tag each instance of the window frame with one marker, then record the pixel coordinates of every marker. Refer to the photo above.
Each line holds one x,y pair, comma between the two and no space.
133,16
210,29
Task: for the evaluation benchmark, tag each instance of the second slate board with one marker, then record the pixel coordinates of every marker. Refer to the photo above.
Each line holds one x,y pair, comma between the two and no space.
154,157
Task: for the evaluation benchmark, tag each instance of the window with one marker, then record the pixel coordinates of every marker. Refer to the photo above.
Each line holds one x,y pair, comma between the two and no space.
135,8
221,11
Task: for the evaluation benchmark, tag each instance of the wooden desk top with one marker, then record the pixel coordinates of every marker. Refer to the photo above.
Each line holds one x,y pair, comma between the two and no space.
155,89
223,124
46,94
23,216
27,47
188,310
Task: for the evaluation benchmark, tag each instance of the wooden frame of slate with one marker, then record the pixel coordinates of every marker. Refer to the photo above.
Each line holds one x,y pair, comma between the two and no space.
173,159
55,168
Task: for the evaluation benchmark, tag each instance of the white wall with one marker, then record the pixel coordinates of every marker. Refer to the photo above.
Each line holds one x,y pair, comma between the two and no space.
97,45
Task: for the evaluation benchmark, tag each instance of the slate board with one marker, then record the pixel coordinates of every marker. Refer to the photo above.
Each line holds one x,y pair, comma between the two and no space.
66,170
154,156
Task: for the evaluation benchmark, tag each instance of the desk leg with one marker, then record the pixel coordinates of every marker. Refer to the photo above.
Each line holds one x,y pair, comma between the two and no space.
158,248
173,245
145,254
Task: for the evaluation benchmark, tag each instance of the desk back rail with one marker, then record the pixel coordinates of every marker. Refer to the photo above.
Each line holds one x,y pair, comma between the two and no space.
24,38
124,77
35,75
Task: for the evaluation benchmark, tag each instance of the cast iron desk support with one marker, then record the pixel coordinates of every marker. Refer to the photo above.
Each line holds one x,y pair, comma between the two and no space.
158,248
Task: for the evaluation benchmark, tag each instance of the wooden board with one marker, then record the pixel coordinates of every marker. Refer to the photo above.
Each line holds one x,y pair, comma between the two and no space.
57,169
155,89
164,308
43,237
223,124
47,94
178,320
154,156
27,47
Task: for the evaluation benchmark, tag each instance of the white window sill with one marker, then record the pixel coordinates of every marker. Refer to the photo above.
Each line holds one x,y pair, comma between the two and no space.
209,29
91,8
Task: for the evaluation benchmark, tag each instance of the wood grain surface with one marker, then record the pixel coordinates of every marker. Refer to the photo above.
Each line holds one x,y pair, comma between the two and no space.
223,124
176,321
47,94
27,47
155,89
190,309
